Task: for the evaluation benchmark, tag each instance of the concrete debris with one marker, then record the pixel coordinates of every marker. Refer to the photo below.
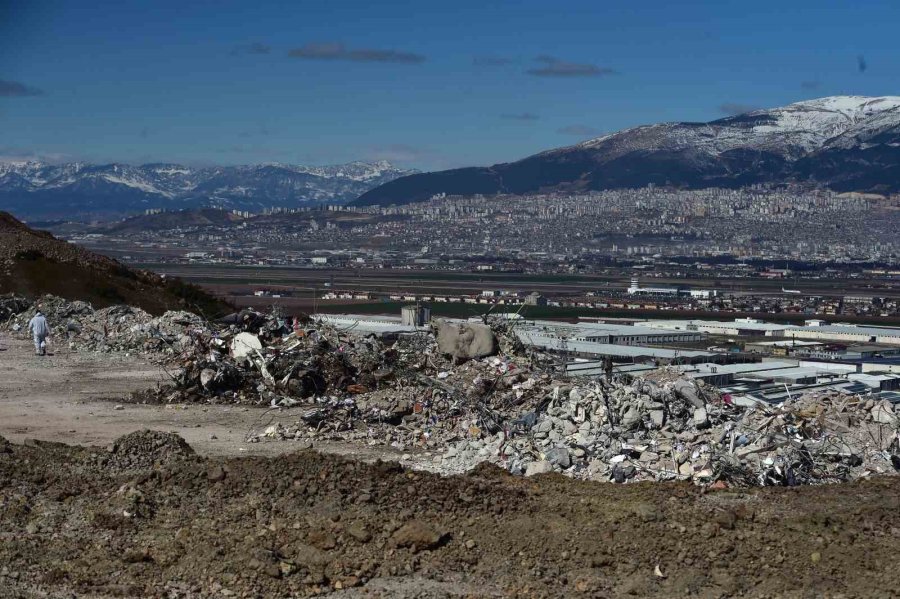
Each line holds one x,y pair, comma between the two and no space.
642,431
512,410
464,341
245,345
541,467
468,393
11,305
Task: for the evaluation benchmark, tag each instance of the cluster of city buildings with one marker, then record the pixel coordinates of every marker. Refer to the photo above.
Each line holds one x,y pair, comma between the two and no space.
559,231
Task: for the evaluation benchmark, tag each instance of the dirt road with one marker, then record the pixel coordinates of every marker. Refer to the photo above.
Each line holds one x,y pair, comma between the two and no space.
79,398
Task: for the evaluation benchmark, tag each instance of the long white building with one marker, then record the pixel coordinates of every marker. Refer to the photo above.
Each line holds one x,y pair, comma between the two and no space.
636,289
618,334
813,330
846,333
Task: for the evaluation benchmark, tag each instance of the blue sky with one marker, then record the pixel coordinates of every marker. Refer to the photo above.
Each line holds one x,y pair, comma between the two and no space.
424,84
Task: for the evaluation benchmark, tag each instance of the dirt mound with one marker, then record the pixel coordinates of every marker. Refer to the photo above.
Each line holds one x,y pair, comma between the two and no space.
145,449
34,262
307,524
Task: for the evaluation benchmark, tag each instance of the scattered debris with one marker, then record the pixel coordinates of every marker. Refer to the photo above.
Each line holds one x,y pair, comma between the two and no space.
468,393
114,329
643,431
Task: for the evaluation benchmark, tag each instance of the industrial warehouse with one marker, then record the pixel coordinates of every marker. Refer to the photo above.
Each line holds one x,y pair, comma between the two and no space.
758,361
813,329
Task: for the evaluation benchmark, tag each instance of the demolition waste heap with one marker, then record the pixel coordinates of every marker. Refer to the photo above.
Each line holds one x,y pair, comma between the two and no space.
458,394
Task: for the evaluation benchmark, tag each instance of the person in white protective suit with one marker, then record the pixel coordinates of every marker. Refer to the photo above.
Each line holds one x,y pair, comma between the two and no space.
40,330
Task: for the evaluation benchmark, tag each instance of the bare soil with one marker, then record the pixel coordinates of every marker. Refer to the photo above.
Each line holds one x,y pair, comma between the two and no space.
146,516
83,521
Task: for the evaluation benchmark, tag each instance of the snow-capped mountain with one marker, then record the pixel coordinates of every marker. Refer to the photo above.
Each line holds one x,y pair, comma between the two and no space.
843,142
39,189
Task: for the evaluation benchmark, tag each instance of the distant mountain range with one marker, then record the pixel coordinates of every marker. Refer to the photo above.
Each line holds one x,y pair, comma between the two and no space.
73,189
847,143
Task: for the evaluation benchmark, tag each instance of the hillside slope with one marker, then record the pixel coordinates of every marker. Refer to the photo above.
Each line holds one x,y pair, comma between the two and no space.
33,263
848,143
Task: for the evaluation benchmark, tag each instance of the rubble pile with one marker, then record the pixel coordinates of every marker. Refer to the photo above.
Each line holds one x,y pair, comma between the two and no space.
117,328
410,394
682,430
466,393
458,394
285,366
11,305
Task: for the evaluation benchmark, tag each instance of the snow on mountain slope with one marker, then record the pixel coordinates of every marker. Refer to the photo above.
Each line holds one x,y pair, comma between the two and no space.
845,142
791,131
36,187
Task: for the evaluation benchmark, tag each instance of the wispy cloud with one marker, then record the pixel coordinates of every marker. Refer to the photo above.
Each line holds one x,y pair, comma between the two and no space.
550,66
734,108
254,48
810,85
337,51
579,130
14,89
520,116
491,61
861,63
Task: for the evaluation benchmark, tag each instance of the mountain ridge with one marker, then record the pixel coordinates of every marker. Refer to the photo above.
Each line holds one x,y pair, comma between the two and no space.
34,188
848,143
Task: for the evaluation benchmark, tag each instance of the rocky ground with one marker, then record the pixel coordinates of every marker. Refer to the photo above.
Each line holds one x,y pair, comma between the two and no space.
146,517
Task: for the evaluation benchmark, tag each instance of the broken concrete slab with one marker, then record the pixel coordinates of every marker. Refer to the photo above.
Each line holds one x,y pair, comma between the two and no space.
465,341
